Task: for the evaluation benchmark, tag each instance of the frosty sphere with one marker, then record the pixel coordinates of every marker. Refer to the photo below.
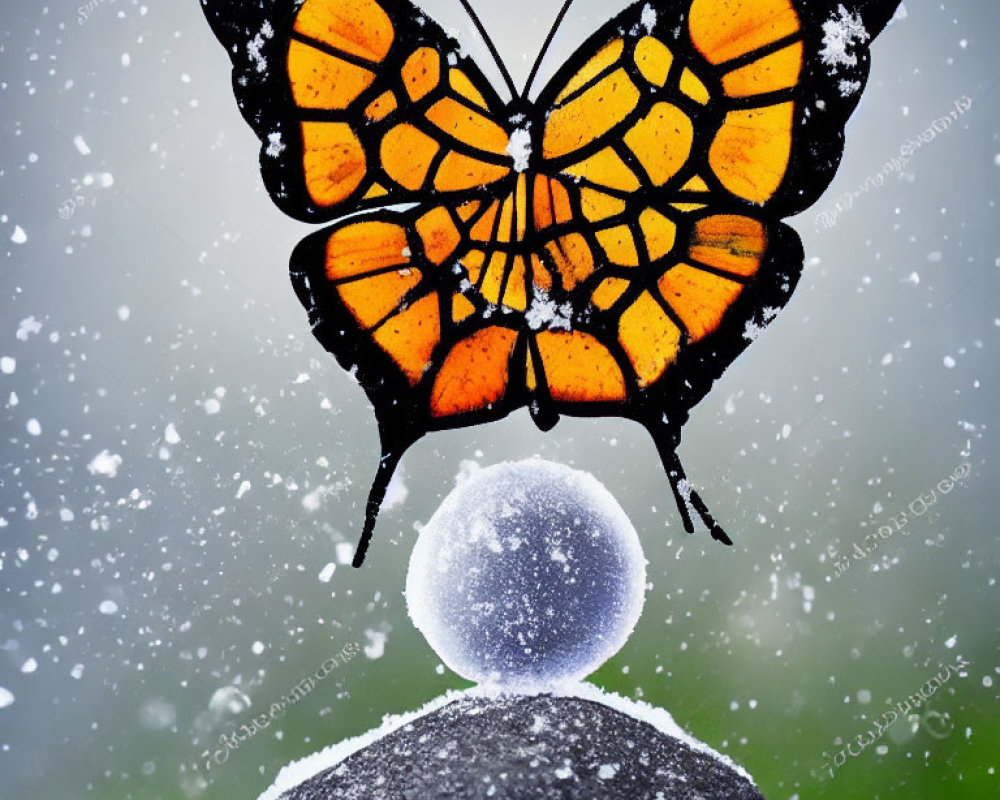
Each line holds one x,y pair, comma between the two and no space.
527,576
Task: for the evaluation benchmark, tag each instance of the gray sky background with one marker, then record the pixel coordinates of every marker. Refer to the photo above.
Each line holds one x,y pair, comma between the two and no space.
180,460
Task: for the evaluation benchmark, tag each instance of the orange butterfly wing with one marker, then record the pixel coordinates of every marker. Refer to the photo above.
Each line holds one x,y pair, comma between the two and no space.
359,104
607,249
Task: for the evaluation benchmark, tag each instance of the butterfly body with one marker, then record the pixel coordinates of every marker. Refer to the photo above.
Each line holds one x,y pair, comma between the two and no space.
605,248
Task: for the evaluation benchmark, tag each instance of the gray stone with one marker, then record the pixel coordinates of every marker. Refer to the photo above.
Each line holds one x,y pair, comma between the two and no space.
527,747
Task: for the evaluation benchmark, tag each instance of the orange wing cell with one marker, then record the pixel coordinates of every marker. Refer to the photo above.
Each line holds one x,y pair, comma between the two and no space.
474,373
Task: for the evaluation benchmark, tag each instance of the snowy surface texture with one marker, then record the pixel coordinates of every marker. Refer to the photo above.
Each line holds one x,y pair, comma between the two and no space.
475,746
529,574
842,34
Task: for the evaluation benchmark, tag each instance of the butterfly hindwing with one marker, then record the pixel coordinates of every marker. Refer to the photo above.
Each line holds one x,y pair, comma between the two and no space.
384,296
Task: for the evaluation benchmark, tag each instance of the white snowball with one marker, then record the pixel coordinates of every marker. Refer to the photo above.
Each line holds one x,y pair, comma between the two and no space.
529,575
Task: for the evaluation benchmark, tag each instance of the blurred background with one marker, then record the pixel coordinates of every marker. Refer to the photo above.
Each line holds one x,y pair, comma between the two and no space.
183,469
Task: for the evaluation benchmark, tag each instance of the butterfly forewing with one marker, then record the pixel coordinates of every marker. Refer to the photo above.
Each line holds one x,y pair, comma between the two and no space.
359,103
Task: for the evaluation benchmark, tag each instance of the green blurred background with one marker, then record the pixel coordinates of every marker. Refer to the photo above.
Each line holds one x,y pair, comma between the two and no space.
181,460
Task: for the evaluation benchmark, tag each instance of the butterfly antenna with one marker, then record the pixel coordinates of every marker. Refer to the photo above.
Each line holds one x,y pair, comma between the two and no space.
548,41
684,494
386,469
491,47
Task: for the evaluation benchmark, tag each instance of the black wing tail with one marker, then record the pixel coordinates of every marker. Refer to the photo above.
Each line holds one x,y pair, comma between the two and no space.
684,495
393,449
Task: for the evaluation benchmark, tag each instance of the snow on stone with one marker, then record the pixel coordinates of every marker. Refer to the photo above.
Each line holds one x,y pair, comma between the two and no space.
296,772
659,718
519,148
842,33
105,463
18,236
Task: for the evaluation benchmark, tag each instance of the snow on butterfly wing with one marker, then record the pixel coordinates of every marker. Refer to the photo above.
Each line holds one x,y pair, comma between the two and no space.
359,104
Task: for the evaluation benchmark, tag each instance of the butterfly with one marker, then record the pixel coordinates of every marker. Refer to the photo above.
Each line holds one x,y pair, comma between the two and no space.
606,247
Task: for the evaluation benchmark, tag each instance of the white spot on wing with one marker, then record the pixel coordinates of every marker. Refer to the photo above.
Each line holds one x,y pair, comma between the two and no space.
275,147
519,148
255,45
842,33
546,314
648,18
